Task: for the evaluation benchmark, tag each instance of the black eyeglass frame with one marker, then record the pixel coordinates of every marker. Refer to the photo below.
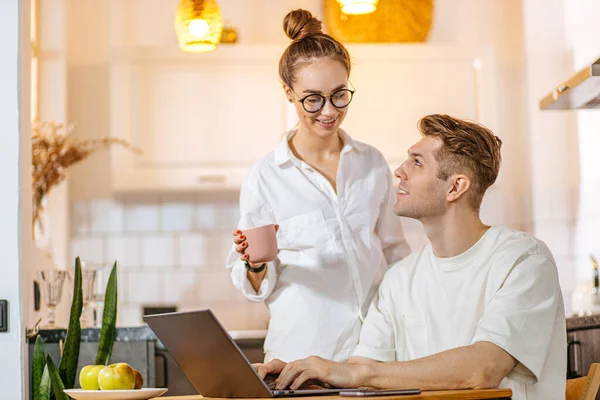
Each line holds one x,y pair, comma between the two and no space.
324,99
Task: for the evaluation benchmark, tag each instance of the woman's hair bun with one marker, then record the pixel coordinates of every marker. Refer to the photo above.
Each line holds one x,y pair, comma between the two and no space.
299,24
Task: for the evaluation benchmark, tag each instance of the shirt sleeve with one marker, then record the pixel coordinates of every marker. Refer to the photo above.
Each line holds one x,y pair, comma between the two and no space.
377,333
389,228
521,316
254,212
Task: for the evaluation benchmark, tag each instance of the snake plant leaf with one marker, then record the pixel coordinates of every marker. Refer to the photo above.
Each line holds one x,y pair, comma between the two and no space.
70,356
108,332
57,384
44,386
38,365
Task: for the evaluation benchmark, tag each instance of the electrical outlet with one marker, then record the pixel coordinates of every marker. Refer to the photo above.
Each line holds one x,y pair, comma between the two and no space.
3,316
36,296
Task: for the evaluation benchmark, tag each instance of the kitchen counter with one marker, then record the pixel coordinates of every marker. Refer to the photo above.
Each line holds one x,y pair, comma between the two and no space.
126,334
138,333
474,394
582,323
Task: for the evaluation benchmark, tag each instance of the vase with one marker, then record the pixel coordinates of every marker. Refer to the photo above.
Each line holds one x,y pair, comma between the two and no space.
41,229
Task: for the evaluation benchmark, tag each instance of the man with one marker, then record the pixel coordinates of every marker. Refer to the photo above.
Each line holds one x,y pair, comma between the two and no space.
478,307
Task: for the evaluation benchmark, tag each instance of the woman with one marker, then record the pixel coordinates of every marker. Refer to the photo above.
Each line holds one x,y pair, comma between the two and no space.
332,199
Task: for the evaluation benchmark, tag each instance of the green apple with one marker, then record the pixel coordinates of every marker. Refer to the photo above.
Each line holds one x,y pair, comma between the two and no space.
118,376
88,377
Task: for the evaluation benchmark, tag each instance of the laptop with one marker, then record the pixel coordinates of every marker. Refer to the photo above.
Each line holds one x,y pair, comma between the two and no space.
212,361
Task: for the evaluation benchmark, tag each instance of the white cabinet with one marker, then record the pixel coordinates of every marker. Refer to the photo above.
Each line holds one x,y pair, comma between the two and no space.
200,120
203,120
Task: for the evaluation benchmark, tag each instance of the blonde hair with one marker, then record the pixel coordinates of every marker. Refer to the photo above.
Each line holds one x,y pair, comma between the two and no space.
467,148
309,43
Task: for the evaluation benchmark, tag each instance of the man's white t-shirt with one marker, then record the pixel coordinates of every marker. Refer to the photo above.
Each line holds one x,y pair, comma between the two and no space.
503,290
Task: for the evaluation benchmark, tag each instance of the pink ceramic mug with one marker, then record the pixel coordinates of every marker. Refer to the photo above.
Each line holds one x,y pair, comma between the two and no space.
262,243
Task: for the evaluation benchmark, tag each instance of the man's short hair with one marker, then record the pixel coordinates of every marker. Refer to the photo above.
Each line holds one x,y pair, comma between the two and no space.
467,148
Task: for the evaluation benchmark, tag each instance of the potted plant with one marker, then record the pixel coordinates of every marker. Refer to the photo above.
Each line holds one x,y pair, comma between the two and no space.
49,380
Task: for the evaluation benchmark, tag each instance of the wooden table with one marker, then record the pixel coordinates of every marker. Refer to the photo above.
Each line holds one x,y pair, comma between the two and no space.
478,394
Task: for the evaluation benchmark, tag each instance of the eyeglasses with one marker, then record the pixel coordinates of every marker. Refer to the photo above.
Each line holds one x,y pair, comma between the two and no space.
315,102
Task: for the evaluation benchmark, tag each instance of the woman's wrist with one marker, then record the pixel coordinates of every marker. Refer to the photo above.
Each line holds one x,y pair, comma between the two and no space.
254,268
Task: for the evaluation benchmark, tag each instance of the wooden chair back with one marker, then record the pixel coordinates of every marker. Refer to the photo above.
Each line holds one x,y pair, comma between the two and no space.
586,387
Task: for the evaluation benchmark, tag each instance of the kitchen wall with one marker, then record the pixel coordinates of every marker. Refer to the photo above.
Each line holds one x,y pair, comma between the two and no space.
171,247
582,29
565,185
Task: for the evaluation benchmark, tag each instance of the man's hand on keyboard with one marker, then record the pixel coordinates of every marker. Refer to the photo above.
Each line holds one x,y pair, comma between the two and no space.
273,367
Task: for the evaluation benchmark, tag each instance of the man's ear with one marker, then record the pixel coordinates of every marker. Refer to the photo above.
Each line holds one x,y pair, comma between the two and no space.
459,186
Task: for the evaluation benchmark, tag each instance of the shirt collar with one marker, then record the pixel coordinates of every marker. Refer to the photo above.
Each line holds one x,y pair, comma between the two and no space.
283,154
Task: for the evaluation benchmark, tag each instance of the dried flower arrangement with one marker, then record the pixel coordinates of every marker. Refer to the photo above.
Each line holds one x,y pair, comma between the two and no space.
53,152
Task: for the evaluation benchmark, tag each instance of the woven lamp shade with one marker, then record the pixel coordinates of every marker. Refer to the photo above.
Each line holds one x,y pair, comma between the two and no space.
198,25
392,21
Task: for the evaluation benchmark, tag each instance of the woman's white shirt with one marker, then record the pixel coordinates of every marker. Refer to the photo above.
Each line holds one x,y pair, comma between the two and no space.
334,248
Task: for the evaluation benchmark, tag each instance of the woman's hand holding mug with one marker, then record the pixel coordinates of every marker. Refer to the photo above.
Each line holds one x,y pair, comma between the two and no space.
256,245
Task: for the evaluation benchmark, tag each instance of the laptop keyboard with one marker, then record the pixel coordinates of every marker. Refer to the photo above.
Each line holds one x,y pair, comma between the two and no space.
270,381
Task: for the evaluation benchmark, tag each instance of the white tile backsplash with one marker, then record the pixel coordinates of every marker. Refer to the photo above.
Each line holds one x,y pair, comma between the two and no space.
122,285
130,315
167,252
102,276
206,217
126,249
586,237
177,217
567,268
215,285
233,316
218,249
142,217
557,235
190,248
144,287
228,216
106,216
88,249
542,204
201,250
587,201
80,218
561,204
180,286
493,207
158,251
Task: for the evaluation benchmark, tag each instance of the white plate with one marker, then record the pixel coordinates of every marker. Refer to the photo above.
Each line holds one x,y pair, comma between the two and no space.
140,394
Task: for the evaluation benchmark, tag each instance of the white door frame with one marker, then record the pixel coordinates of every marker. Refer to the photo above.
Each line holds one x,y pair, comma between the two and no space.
15,201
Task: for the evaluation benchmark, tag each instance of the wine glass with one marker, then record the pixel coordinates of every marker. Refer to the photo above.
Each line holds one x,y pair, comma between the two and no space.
51,282
88,279
102,274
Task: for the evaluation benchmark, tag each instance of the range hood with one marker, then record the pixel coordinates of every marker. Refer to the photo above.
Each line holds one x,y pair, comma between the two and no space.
582,90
